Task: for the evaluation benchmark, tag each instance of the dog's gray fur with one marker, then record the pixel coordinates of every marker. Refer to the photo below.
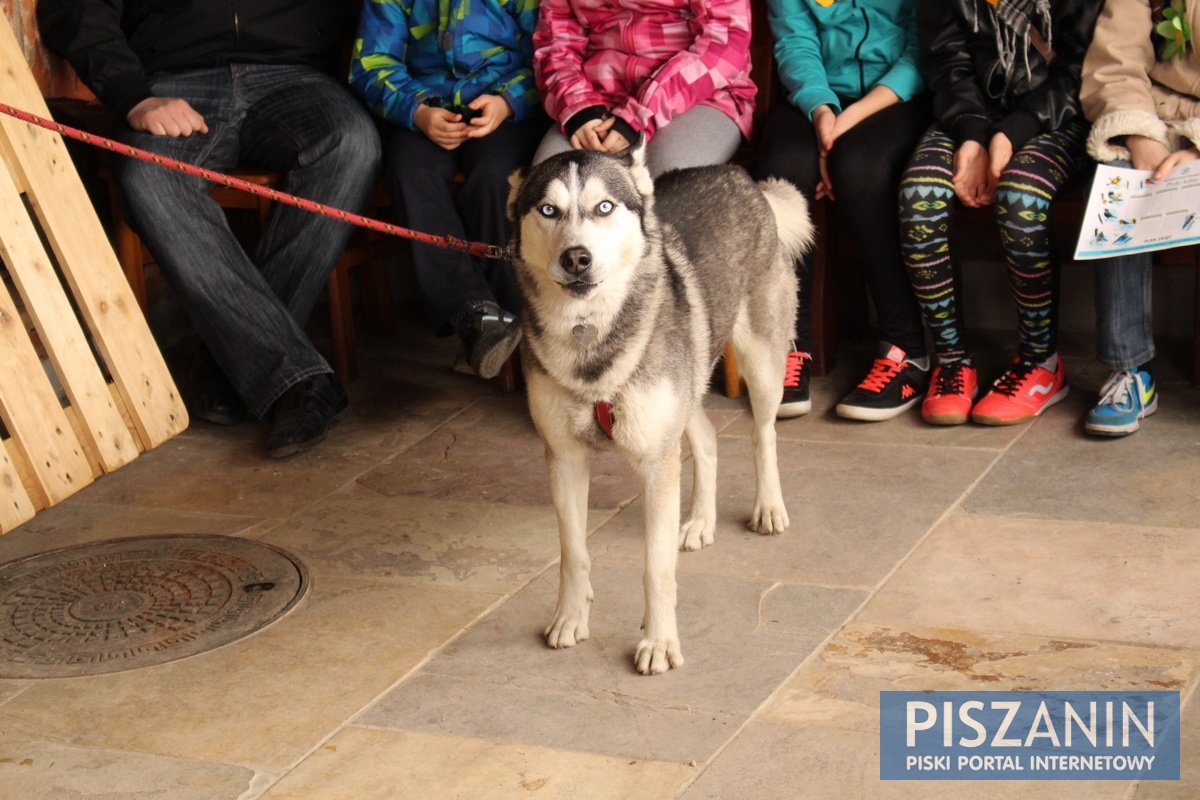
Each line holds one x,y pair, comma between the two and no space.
674,270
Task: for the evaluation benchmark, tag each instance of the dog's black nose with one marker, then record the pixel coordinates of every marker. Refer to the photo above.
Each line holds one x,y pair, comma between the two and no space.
575,260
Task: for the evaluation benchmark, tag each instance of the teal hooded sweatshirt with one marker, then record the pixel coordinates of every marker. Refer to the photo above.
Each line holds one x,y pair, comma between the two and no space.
831,49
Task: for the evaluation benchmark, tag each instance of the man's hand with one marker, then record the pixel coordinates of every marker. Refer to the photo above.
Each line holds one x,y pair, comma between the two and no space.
495,110
972,180
445,129
591,134
166,116
1000,152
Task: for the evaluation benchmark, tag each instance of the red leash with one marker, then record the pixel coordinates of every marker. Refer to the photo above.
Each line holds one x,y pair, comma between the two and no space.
480,249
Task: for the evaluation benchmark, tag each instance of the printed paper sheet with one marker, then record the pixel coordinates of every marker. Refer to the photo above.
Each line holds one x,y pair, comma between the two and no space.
1129,213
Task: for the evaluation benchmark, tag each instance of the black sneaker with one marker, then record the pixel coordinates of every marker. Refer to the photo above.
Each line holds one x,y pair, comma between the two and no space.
304,414
490,335
894,385
796,402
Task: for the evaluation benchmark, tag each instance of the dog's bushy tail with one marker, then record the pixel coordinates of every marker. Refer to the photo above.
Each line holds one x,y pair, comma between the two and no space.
796,231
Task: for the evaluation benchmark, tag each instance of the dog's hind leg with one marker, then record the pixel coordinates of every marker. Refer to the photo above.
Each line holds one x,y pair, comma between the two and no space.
763,362
659,650
569,475
701,524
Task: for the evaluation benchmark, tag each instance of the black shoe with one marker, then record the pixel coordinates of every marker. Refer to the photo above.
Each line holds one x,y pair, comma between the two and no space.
216,400
490,335
304,414
796,402
894,385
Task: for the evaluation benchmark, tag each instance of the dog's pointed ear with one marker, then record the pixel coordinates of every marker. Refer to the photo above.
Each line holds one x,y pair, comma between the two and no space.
515,179
636,156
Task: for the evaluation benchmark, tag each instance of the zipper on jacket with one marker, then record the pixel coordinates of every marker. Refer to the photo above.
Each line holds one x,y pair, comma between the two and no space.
237,30
862,81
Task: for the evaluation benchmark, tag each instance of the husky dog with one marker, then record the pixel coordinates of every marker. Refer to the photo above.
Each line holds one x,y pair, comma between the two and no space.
631,289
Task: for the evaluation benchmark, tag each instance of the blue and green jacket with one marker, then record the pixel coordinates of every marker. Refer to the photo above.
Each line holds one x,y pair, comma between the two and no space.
831,49
444,52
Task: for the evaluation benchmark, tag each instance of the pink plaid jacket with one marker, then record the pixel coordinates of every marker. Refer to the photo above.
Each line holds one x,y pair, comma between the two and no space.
646,60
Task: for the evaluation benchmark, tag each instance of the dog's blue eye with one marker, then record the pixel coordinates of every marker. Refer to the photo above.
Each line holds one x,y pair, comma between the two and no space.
548,210
605,208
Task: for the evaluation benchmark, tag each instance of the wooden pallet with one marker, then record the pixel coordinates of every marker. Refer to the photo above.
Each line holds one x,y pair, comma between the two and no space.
102,394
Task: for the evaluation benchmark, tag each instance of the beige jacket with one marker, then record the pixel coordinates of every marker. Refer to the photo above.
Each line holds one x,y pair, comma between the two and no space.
1126,90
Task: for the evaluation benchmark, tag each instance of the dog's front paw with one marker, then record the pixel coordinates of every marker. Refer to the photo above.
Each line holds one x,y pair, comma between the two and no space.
567,630
653,657
696,533
769,520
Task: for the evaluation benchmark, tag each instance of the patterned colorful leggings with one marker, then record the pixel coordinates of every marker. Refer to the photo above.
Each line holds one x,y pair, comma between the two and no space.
1027,186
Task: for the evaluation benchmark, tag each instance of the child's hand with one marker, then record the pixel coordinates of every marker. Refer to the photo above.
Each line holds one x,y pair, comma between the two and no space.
495,110
615,142
824,122
842,123
443,128
590,135
972,181
1146,153
1174,160
824,185
1000,152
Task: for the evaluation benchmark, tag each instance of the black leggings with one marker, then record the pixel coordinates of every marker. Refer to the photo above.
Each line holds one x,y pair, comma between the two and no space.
865,167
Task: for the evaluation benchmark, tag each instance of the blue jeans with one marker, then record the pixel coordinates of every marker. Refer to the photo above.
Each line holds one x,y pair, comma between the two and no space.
1124,322
250,309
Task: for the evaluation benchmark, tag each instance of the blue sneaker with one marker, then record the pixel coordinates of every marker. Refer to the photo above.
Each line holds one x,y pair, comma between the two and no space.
1125,399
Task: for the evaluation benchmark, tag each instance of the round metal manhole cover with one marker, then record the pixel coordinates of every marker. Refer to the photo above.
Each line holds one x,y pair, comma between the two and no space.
129,603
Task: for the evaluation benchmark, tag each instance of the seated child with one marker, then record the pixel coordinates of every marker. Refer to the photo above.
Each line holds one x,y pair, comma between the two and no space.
1005,81
676,72
1141,99
850,121
456,84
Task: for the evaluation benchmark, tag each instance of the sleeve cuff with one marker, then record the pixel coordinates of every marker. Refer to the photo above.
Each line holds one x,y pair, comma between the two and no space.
580,118
122,92
1019,126
1103,144
807,100
625,129
904,80
971,128
1189,130
520,108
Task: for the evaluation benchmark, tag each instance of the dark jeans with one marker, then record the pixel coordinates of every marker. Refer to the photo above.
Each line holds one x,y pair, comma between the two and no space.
250,310
421,175
865,166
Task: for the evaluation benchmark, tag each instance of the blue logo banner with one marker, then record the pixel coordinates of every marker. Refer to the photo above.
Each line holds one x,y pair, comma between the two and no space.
1029,736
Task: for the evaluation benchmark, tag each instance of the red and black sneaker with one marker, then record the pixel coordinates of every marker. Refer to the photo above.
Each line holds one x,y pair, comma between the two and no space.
952,392
894,385
796,402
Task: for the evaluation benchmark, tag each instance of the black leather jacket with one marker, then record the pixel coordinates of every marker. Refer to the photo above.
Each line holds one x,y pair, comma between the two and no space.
115,44
972,96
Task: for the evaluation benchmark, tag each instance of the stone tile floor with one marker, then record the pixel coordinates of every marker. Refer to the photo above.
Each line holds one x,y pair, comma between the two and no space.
1028,557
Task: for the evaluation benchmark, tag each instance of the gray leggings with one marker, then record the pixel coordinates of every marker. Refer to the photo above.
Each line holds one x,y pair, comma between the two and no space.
699,136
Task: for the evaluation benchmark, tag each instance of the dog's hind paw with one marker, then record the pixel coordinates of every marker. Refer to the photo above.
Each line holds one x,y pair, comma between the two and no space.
653,657
769,521
567,631
696,533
